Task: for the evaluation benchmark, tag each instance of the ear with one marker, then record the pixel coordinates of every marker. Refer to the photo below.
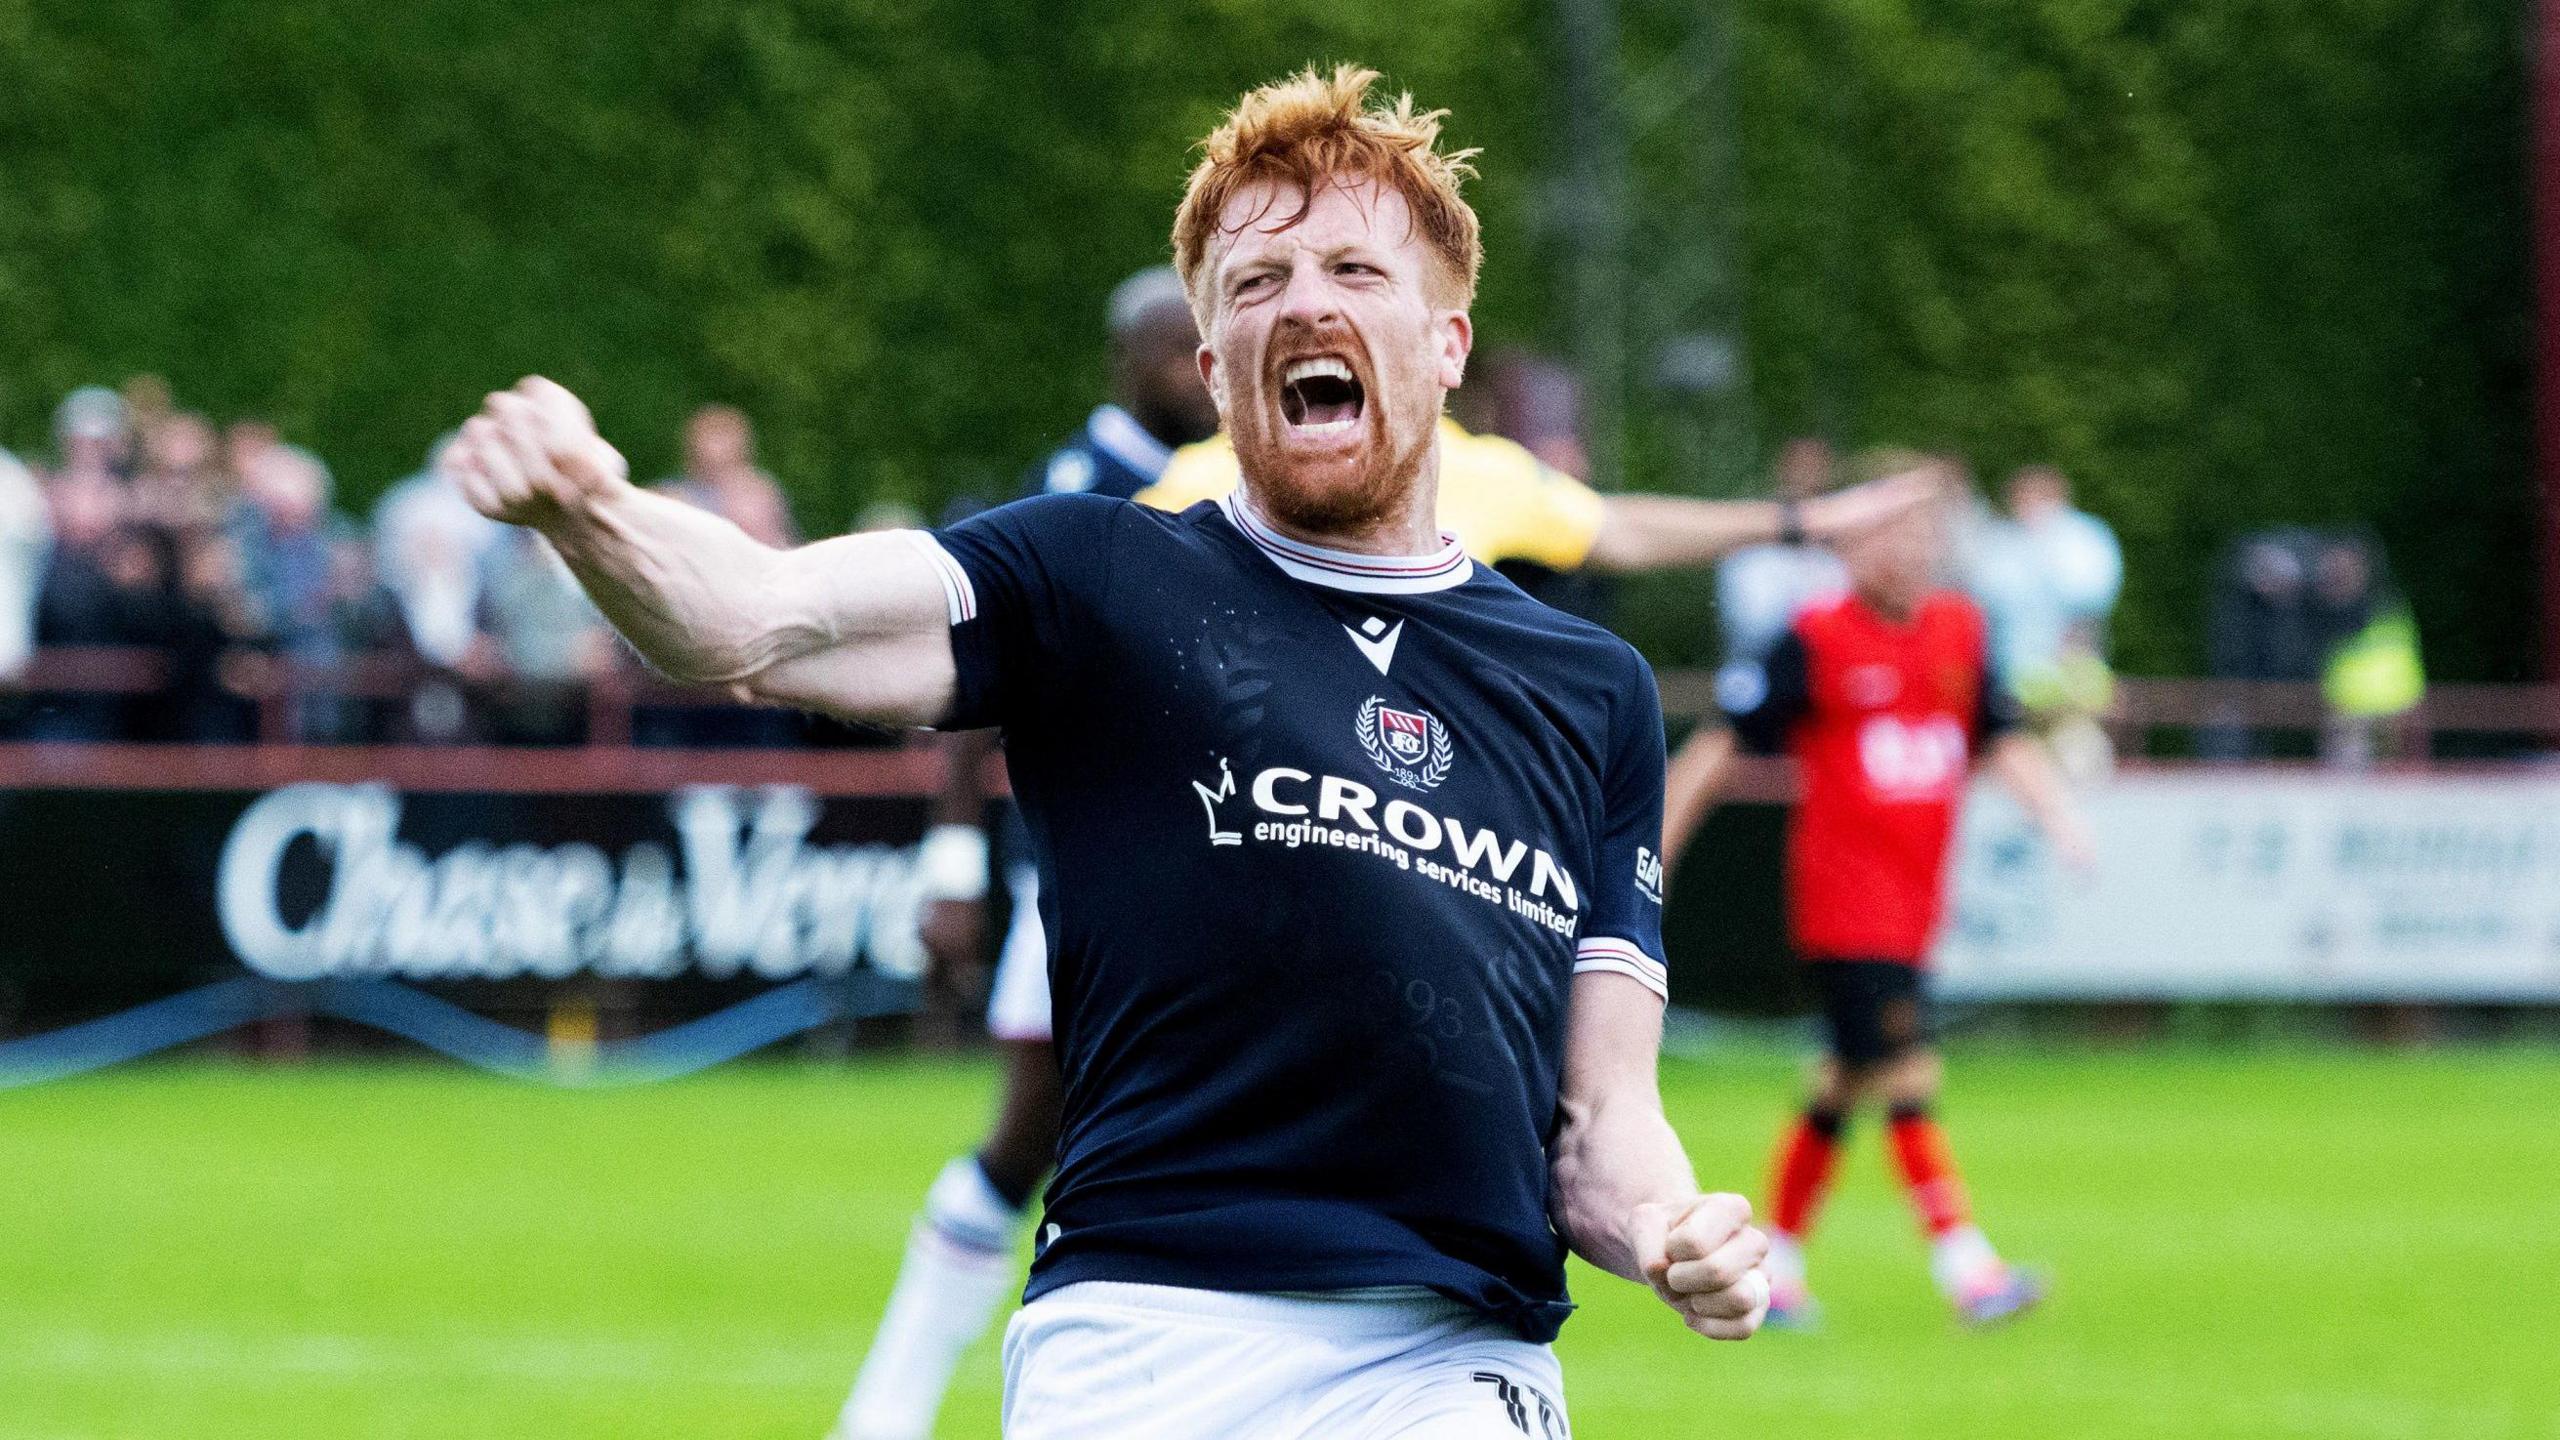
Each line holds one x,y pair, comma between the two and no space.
1208,360
1457,341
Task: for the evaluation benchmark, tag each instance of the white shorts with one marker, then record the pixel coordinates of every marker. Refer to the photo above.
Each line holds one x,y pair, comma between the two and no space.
1018,1007
1108,1361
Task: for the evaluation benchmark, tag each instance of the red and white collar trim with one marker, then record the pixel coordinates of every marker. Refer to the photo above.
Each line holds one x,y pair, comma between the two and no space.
1442,569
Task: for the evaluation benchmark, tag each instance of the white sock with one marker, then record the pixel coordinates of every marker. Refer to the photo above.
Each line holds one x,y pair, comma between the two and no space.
1959,1259
1786,1260
957,1273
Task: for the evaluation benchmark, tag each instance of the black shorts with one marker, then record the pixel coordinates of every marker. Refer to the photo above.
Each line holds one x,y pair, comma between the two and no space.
1874,1010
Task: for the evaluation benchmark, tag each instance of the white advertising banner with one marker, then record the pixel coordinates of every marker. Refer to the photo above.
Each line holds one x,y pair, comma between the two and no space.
2267,884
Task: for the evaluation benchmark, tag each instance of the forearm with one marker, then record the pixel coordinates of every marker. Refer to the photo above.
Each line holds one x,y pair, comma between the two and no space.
1694,784
1621,1192
1611,1156
1667,532
1664,532
701,601
2019,762
858,626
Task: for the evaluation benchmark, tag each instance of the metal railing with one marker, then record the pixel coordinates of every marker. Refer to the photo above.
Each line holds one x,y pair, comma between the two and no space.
2144,712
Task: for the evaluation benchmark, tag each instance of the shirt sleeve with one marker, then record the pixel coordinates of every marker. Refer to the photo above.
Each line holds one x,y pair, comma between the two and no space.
1996,710
1203,470
1024,583
1537,513
1624,933
1764,700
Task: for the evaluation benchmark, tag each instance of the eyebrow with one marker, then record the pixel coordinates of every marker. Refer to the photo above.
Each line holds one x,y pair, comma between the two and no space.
1232,267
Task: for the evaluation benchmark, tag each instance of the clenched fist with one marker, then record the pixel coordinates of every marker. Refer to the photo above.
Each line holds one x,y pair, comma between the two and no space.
532,456
1703,1258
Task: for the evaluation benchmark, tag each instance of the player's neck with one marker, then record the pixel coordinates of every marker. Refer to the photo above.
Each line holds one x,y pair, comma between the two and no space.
1412,527
1894,608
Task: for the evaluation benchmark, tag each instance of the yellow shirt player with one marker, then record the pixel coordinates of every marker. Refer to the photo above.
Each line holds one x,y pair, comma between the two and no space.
1505,504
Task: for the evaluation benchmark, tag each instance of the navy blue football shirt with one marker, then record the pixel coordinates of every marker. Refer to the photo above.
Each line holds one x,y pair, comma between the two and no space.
1323,838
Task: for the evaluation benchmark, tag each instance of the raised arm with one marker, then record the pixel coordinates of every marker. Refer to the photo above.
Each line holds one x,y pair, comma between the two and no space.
1624,1196
857,626
1666,532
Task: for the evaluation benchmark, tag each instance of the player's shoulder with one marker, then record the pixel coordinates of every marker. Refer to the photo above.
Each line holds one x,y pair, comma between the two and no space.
1953,612
1475,456
1501,471
1070,469
1086,514
1081,544
1202,470
1825,617
1573,649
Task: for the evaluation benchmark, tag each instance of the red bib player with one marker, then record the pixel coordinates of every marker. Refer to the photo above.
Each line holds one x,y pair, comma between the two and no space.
1885,697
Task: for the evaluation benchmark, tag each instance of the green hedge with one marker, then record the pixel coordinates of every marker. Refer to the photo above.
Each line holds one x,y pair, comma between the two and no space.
2229,264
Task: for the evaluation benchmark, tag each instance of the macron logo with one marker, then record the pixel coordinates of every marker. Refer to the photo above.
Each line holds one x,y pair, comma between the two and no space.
1377,640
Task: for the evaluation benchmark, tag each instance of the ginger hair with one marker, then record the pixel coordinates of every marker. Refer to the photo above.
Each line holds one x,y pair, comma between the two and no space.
1313,130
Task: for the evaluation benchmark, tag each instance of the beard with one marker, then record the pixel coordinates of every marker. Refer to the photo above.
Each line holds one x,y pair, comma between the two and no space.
1331,497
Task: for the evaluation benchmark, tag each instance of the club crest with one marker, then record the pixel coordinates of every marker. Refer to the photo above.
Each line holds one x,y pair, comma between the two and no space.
1410,745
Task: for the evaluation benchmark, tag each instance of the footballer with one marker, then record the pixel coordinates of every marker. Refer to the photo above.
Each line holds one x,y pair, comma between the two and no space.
1885,697
1347,848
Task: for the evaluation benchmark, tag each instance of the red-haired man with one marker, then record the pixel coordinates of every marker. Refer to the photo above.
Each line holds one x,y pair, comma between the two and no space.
1346,846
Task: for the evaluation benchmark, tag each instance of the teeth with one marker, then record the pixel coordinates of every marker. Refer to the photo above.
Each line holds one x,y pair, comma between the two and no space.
1321,365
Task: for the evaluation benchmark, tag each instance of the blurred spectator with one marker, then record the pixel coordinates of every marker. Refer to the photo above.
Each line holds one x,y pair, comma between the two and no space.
103,585
2048,576
247,444
243,442
212,635
544,638
1537,403
179,485
2370,667
25,535
2304,606
92,434
431,556
147,404
1532,400
296,568
720,476
432,551
2260,628
1760,589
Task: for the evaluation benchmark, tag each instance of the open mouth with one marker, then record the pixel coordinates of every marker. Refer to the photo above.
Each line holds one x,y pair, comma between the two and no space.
1319,395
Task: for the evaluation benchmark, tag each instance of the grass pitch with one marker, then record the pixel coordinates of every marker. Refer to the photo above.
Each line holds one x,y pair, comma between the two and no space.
2321,1244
